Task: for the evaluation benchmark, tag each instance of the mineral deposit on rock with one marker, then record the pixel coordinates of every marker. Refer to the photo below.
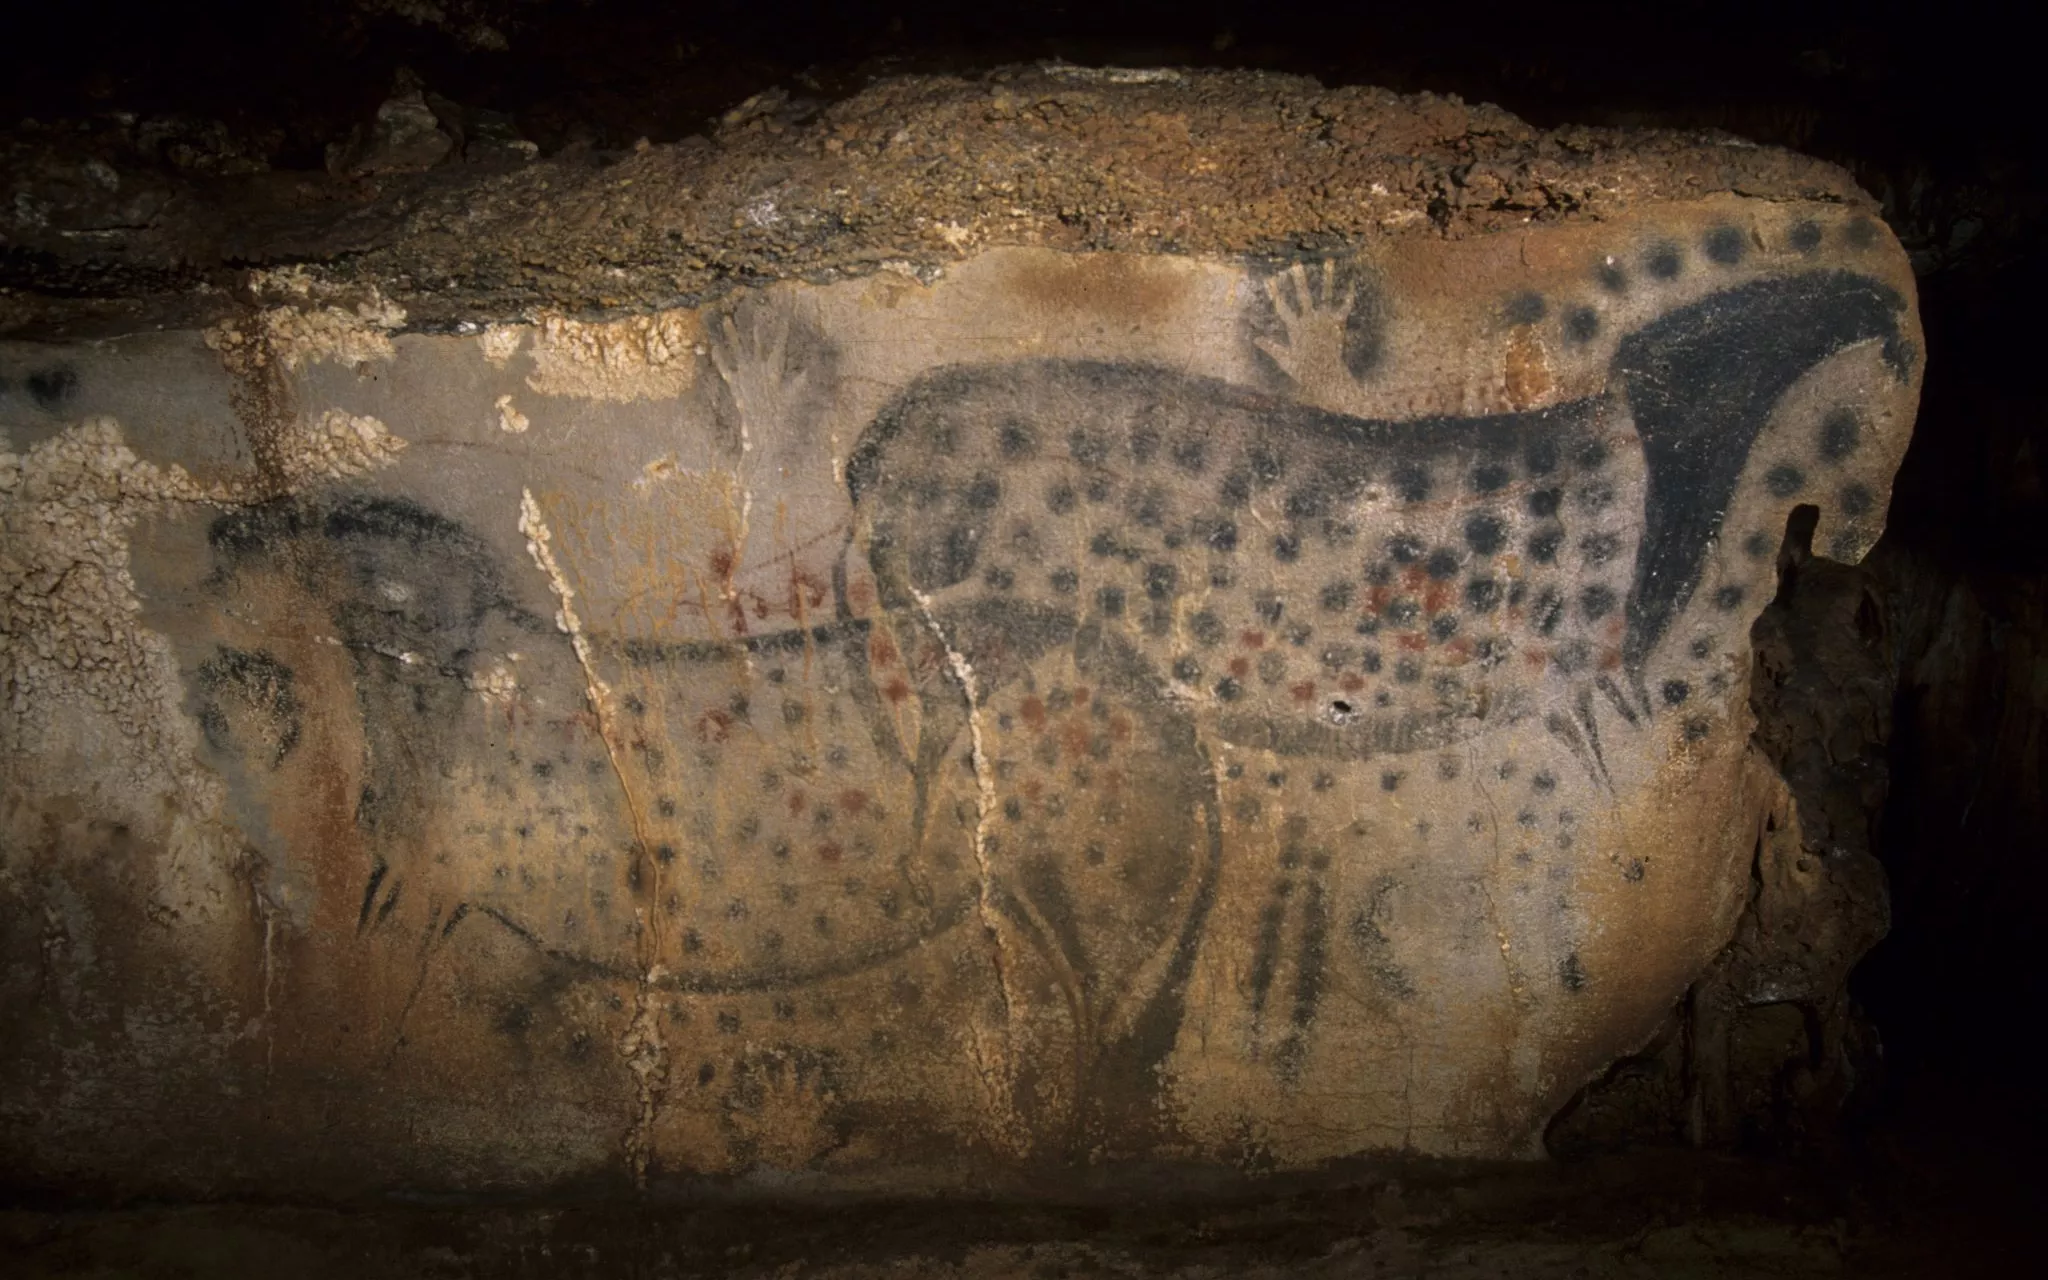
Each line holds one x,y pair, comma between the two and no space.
1237,691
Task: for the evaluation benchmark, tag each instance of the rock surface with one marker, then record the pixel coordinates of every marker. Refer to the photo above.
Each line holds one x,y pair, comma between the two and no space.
1244,667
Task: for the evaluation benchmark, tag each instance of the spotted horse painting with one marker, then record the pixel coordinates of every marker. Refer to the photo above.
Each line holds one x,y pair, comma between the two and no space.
1058,710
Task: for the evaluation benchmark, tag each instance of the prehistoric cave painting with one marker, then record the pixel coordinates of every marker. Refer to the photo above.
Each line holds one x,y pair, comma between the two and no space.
1315,324
775,368
802,782
1346,587
1187,717
1360,599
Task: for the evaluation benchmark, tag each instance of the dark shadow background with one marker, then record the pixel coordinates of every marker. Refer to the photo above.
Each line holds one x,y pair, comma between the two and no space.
1932,106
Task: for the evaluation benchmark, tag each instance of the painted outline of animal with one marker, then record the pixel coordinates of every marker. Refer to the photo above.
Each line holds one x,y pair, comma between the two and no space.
1319,585
1347,586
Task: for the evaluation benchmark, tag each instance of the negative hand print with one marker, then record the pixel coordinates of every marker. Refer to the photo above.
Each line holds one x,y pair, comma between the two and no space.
1319,325
772,359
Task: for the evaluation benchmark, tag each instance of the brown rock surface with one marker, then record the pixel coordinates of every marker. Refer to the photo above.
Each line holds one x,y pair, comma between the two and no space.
1081,619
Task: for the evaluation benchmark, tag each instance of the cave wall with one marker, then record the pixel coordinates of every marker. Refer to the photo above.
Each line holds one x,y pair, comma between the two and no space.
1228,651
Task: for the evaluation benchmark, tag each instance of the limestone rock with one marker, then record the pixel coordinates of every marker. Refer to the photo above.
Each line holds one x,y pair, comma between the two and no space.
991,708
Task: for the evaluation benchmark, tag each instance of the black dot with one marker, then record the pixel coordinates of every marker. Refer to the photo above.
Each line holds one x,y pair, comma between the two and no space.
1541,457
1228,689
1444,626
1337,596
1407,671
1236,489
1269,606
1287,548
1065,581
1547,609
1187,670
1442,564
1726,245
1016,441
1758,545
1060,499
1267,462
1411,481
1571,973
1806,235
1490,477
1697,728
1728,598
1861,233
1406,548
1206,628
982,493
1371,662
1599,548
1856,499
1582,324
998,577
1544,503
1543,546
1390,781
1102,544
1544,781
1110,600
1675,692
1784,480
1592,454
1596,602
1611,276
1485,534
1840,433
1664,261
1402,612
1703,647
1191,456
1308,502
1160,580
1482,595
1525,308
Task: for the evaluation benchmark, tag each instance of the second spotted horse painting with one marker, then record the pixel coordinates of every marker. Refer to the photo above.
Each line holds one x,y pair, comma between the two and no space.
1070,707
1347,643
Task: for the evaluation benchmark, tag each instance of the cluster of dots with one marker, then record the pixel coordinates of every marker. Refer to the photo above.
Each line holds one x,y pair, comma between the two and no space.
777,828
1665,261
1274,561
